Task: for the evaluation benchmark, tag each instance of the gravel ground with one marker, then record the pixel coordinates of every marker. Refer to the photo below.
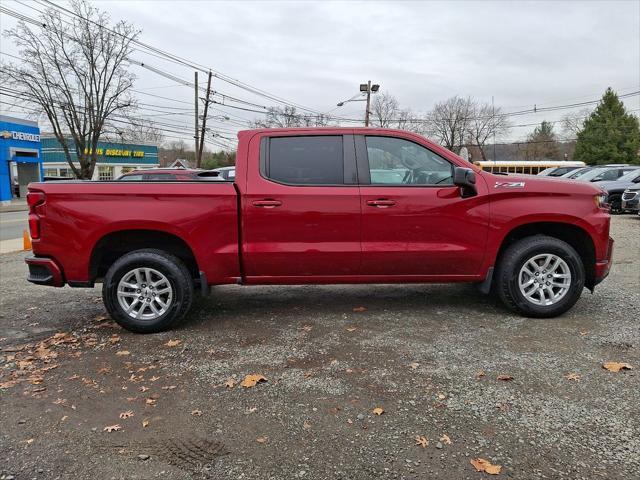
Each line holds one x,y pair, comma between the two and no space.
429,355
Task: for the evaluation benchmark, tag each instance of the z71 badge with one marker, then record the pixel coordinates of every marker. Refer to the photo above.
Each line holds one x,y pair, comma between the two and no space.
509,185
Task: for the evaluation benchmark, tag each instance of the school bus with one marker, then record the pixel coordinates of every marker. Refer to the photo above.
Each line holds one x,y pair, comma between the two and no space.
525,166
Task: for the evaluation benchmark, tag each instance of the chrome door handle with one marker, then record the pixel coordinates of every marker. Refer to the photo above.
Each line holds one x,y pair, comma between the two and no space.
381,203
267,203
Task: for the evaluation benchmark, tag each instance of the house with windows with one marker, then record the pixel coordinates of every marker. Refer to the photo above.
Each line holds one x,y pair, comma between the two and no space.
114,159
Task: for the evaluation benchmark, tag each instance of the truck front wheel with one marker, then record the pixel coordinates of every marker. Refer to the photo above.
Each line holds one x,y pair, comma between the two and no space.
147,291
540,276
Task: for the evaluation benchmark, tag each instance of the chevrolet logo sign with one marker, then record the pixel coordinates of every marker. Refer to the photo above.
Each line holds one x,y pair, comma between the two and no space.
6,134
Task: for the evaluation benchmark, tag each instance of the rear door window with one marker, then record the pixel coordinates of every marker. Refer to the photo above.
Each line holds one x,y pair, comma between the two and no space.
312,160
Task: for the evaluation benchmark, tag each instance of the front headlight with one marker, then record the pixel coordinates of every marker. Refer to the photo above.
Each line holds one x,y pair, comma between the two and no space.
601,200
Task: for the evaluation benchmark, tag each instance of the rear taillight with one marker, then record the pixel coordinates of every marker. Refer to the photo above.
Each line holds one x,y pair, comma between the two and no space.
34,225
35,200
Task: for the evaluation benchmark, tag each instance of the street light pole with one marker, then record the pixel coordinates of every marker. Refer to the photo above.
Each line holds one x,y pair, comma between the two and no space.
366,115
368,89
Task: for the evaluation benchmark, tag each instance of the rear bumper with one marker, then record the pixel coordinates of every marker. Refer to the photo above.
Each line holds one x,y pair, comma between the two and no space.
44,271
604,266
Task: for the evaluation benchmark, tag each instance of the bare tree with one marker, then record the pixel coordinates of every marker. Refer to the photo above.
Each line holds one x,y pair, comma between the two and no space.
75,70
288,117
385,109
485,121
448,122
140,131
573,123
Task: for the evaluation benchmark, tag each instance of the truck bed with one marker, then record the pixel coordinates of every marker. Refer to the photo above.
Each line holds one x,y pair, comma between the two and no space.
77,215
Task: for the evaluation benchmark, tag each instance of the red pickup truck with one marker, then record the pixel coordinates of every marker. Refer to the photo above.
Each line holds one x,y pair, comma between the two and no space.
331,205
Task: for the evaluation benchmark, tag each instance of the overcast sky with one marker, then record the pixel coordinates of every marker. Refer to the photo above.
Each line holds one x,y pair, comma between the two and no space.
316,53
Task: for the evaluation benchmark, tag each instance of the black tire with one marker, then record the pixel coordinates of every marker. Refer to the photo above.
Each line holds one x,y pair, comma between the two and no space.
173,270
513,259
616,204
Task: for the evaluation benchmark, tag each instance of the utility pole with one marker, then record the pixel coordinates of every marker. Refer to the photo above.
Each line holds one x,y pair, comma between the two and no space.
493,120
204,123
197,99
366,115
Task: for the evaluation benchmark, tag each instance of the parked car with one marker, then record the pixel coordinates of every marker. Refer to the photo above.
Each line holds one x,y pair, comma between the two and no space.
631,199
558,171
615,188
168,175
576,173
604,173
228,173
303,209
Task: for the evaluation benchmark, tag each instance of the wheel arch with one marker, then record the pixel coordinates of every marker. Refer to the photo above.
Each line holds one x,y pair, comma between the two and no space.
574,235
114,244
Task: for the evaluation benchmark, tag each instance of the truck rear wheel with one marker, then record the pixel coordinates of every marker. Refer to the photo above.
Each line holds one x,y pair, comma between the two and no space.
147,291
540,276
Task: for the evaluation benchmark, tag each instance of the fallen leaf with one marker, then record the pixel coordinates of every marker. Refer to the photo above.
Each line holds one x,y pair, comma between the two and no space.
349,421
173,343
445,439
306,425
441,396
482,465
359,309
251,380
64,418
422,441
572,376
104,371
505,378
262,439
122,353
196,413
414,365
154,378
307,328
170,387
150,401
616,366
352,329
127,414
480,374
378,411
112,428
143,389
230,383
113,339
145,423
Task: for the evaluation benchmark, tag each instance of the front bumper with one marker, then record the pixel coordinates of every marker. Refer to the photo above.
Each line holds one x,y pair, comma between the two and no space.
631,201
603,267
44,271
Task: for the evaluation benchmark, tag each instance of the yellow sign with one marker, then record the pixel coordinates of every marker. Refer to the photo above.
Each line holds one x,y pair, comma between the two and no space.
116,152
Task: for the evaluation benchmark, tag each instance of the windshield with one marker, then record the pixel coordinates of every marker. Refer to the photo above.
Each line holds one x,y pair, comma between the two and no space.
577,173
630,176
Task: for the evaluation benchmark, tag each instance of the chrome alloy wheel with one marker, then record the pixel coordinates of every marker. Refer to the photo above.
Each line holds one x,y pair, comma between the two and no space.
144,293
544,279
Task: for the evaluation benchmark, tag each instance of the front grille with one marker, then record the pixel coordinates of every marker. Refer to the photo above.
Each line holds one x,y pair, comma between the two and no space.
629,195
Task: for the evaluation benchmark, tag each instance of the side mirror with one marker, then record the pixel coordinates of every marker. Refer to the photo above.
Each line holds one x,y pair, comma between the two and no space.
465,178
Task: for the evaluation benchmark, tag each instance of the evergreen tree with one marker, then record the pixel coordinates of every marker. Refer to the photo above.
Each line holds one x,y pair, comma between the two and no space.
542,143
610,134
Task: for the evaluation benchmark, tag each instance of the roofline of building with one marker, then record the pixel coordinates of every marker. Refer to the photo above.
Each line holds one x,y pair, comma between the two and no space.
51,135
18,121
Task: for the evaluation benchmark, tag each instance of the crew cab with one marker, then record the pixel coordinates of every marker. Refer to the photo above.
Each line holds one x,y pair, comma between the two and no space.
322,206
